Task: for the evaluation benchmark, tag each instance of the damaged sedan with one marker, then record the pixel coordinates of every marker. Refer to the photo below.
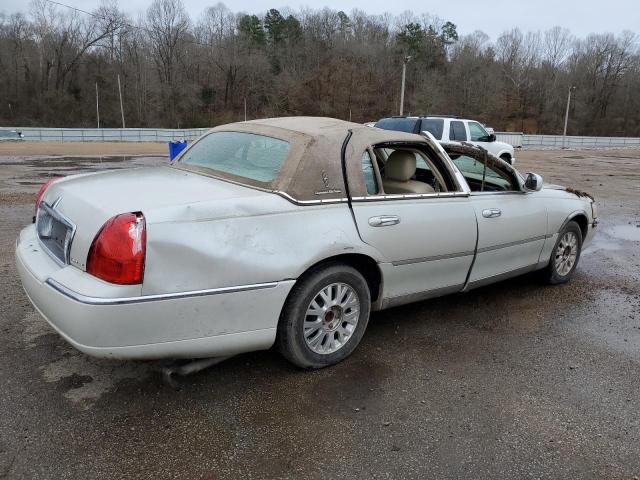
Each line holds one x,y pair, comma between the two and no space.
285,231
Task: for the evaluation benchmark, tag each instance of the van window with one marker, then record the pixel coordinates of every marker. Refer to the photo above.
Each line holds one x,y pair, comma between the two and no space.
399,124
435,126
478,133
457,131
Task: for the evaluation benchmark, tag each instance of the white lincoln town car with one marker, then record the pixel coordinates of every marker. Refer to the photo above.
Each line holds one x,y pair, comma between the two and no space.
285,231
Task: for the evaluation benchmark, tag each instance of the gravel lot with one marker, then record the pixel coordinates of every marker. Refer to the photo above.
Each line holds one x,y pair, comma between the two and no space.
515,380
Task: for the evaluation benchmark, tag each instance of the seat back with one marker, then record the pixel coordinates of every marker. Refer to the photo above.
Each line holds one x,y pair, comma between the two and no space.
398,170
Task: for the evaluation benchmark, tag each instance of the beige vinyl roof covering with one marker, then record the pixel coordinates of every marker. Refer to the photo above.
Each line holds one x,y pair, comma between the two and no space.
312,170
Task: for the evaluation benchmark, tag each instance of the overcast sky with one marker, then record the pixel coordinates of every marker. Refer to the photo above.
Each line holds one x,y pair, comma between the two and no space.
493,16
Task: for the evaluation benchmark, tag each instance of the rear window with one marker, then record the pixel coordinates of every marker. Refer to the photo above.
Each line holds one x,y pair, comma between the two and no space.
435,126
398,124
247,155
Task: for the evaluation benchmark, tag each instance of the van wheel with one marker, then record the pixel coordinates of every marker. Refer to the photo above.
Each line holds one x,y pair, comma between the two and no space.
324,317
565,255
507,158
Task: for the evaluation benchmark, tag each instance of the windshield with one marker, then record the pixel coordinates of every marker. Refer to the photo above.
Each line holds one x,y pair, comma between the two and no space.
247,155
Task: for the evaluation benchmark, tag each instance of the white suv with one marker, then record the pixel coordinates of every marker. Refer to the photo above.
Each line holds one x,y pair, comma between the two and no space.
451,129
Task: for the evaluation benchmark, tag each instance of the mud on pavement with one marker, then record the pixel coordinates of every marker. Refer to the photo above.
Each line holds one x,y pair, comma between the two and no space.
517,379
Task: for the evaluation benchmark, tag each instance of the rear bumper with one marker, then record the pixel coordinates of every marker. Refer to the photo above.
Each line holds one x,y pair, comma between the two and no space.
206,323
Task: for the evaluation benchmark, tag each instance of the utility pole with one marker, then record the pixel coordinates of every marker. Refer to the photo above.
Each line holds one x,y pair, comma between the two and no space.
566,117
245,109
121,108
404,72
97,105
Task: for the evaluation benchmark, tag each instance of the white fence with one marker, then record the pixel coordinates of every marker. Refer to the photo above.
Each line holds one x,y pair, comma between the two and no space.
517,139
523,140
512,138
109,134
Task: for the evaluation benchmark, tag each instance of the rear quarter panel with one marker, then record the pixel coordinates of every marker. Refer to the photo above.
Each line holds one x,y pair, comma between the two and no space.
259,240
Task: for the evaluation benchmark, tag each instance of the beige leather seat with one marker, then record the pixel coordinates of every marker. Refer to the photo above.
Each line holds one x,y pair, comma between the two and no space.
400,167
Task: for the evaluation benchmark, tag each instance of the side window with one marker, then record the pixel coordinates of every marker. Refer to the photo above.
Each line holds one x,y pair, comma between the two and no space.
403,177
369,174
435,126
472,169
477,133
457,131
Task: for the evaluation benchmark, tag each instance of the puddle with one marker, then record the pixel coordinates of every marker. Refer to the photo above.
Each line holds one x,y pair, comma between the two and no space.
630,233
99,376
79,162
46,167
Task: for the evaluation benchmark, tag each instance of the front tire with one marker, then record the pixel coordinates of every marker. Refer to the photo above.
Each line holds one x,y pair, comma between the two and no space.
507,158
565,254
324,317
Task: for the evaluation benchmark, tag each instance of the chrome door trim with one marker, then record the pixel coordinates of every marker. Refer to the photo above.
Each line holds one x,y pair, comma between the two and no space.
89,300
408,196
431,259
513,244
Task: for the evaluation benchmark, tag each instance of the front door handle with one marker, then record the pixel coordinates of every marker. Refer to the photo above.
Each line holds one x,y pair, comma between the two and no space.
491,213
384,220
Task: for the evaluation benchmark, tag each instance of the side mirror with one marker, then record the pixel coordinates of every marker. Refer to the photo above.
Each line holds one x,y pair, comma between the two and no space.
533,182
492,137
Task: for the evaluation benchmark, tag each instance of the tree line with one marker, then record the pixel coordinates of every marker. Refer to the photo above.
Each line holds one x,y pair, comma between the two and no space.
177,71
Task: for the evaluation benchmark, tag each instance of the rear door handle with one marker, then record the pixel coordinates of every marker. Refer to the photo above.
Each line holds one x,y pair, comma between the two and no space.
384,220
491,213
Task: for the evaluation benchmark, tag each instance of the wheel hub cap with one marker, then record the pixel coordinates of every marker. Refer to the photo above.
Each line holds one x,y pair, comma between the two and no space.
331,318
566,253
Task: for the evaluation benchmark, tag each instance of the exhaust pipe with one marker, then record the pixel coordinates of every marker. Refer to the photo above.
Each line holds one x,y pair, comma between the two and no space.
169,373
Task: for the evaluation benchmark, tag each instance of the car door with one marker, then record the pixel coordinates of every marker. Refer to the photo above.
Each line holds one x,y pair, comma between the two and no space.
512,224
427,241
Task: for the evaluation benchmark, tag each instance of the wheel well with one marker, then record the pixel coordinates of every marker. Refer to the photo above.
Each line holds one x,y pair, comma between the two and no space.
582,222
506,157
366,265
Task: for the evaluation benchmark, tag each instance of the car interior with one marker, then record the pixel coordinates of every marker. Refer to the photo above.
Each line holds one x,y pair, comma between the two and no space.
409,171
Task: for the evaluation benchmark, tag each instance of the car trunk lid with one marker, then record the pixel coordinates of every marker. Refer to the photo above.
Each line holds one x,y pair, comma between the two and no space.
86,202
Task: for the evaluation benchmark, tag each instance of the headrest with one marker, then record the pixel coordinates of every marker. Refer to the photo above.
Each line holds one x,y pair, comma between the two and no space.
400,166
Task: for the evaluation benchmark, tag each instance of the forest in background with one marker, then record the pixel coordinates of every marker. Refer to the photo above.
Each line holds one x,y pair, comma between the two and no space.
177,71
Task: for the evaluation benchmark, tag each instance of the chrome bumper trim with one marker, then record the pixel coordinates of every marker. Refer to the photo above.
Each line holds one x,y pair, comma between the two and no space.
88,300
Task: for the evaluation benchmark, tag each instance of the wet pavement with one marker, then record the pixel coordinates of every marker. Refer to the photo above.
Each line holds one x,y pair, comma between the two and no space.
514,380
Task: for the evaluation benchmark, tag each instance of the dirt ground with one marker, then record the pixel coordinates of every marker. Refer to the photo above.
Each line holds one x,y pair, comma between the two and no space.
515,380
26,148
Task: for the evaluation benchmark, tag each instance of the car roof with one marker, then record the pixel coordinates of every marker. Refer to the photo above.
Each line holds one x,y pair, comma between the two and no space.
312,170
417,117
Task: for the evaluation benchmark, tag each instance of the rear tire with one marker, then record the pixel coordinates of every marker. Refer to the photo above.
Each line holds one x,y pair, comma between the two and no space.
324,317
565,254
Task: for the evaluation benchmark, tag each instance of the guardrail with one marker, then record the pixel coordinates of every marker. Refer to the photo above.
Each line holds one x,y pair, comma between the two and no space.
517,139
109,134
523,140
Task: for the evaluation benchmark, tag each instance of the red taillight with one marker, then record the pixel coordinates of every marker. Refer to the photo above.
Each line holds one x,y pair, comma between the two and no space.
43,189
118,251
